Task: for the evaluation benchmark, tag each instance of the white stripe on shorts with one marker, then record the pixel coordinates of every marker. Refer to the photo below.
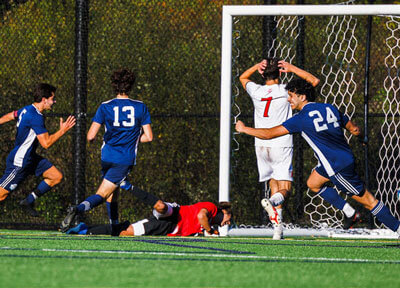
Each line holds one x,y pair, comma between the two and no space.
9,178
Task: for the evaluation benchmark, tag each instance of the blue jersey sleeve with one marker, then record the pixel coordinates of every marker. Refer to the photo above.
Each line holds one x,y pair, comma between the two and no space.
37,125
343,119
99,116
293,124
146,116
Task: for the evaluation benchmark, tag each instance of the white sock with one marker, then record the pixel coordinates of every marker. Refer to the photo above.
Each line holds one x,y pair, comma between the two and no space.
277,199
279,210
348,210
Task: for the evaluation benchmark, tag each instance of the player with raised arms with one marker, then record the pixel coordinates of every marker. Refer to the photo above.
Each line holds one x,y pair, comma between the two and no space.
321,125
271,108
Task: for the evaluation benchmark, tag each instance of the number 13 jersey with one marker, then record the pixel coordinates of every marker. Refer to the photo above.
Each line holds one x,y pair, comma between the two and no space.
123,119
271,109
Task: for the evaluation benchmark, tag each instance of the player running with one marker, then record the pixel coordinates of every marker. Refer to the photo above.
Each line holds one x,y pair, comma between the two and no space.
23,160
127,122
321,125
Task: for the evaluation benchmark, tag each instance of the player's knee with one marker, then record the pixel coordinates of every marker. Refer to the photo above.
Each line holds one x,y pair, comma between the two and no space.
128,232
3,194
312,186
59,177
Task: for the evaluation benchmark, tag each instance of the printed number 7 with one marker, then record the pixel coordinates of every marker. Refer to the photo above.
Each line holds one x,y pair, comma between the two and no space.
269,99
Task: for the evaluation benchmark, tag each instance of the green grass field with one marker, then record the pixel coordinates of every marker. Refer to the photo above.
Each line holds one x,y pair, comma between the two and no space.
51,259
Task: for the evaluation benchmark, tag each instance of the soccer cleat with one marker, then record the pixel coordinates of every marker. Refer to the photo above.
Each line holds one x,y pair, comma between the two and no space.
78,228
348,222
69,219
28,207
272,213
278,232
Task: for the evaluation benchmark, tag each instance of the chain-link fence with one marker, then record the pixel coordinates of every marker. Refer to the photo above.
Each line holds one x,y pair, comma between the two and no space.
175,48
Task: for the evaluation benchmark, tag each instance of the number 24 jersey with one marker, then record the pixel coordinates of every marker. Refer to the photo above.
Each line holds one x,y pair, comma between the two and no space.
123,119
321,125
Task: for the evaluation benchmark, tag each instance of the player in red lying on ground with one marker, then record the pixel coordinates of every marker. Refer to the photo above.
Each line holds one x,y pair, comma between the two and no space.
185,220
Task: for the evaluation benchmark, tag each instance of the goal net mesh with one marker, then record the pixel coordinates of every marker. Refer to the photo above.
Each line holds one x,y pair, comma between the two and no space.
334,49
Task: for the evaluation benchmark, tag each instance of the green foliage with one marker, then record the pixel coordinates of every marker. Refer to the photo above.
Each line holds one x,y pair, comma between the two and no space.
174,47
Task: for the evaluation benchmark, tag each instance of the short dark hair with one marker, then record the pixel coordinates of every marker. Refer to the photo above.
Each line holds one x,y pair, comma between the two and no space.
43,90
225,205
301,87
122,81
271,72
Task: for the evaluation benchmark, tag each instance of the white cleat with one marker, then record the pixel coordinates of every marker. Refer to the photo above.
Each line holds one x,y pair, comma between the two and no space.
278,232
272,213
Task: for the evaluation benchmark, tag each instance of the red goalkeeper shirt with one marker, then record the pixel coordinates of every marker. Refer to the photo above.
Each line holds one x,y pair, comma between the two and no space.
188,224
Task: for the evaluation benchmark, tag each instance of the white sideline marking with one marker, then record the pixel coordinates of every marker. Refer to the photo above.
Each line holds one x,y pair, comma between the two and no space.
191,254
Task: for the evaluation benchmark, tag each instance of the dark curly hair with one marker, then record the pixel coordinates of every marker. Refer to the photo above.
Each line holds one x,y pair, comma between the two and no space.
43,90
302,87
271,72
122,81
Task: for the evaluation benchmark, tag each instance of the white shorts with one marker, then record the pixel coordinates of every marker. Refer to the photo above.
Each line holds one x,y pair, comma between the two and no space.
275,163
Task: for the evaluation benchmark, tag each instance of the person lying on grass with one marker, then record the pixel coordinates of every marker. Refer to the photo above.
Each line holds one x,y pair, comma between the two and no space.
178,220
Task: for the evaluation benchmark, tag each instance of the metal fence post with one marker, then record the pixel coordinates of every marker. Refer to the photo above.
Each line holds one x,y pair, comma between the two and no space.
81,51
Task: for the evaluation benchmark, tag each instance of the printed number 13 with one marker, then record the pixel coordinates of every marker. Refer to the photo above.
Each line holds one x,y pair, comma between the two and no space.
130,115
269,99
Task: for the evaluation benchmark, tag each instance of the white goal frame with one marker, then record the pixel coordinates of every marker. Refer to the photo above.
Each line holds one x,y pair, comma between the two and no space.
230,11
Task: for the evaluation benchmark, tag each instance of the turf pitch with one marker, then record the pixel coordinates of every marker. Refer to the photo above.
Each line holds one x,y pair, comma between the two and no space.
51,259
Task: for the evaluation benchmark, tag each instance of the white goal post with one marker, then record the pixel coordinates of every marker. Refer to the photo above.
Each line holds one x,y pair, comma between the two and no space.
226,63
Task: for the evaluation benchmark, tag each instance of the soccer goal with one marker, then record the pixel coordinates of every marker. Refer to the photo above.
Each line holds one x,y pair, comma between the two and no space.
359,73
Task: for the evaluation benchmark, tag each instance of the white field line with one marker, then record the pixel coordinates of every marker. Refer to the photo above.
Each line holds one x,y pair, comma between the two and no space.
191,254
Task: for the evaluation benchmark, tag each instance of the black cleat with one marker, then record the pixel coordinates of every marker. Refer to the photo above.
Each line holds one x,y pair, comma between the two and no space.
69,220
28,207
349,222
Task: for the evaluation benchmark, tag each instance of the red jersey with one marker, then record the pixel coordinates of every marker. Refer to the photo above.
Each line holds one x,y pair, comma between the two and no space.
188,224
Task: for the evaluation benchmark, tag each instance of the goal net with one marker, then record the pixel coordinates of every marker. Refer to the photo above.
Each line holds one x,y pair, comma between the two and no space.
359,74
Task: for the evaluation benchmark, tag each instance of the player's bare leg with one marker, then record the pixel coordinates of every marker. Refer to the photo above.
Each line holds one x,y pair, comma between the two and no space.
316,183
52,177
279,191
3,194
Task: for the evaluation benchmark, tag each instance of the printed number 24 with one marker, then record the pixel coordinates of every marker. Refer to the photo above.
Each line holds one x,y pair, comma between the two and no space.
319,120
130,114
269,99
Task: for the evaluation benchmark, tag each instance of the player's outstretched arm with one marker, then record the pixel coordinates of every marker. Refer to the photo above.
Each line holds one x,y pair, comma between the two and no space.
262,133
147,135
245,77
7,117
47,140
286,67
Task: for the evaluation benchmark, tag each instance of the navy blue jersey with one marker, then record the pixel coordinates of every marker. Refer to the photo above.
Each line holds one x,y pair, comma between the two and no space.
30,122
123,119
321,125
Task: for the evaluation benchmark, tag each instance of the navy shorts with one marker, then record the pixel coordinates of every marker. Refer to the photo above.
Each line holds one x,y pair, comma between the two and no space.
346,180
115,173
14,175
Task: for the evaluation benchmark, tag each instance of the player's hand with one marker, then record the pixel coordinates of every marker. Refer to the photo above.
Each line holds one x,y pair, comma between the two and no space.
211,233
261,66
285,67
240,126
68,124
